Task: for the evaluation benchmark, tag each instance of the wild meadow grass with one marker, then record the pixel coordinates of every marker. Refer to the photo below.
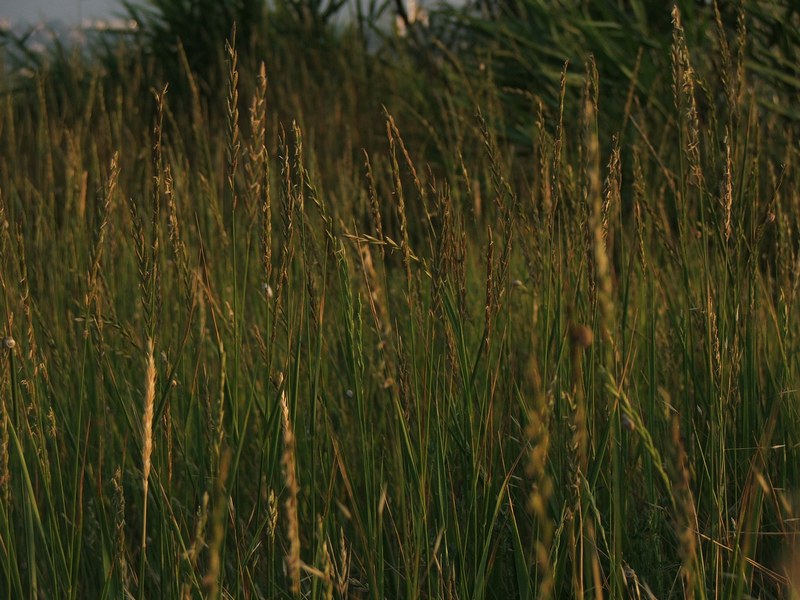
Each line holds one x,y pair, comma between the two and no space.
260,352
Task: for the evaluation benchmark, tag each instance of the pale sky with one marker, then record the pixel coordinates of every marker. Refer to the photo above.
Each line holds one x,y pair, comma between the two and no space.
69,11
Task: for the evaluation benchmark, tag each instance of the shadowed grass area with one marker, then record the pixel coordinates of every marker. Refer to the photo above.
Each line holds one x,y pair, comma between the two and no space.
332,331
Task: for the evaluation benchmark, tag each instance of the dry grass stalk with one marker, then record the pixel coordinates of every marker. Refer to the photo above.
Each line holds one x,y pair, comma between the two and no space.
582,532
176,242
147,419
539,434
597,221
157,161
93,299
375,293
198,543
197,110
217,417
290,477
5,473
379,309
25,303
443,245
684,89
342,567
505,200
97,250
612,197
48,176
727,187
685,517
288,208
119,525
638,200
147,451
256,168
272,511
489,305
7,345
545,155
401,206
558,143
373,202
212,579
258,172
234,144
412,169
726,70
741,44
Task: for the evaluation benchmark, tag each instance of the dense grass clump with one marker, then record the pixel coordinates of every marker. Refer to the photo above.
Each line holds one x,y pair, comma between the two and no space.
336,330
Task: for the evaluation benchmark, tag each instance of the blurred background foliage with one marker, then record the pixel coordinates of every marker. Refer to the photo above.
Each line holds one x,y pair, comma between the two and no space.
503,55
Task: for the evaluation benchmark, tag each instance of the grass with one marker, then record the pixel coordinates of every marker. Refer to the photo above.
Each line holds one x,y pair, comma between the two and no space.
277,343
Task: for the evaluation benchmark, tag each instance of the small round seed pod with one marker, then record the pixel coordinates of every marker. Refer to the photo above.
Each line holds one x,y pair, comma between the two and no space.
627,423
9,343
581,336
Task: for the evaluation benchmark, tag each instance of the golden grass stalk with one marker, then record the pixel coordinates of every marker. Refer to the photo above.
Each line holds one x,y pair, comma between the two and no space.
147,450
147,420
288,461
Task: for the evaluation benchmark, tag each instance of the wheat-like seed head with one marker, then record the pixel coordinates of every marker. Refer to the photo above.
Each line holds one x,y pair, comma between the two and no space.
149,405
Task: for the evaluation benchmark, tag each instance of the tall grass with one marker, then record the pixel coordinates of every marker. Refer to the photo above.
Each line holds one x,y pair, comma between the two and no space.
265,346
